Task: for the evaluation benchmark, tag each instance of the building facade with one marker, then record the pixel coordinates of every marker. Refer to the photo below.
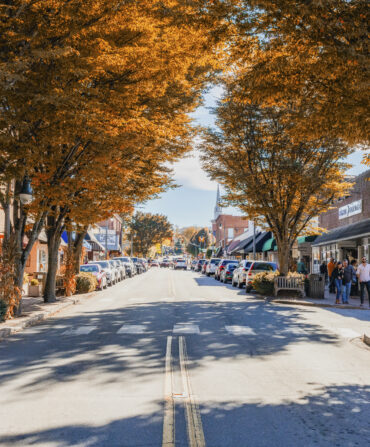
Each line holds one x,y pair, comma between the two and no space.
226,227
347,224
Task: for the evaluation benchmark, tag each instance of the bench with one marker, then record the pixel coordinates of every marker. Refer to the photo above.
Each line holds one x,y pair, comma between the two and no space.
284,283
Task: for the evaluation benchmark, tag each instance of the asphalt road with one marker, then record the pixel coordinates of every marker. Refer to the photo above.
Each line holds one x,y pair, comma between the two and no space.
173,358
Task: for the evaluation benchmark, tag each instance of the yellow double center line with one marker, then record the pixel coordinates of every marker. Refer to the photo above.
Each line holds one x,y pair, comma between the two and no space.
192,413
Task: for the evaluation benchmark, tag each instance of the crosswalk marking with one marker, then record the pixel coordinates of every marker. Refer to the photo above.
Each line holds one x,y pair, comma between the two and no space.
186,328
240,330
82,330
347,333
131,329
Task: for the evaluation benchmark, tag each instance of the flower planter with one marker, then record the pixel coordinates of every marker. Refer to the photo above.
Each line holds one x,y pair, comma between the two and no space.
34,290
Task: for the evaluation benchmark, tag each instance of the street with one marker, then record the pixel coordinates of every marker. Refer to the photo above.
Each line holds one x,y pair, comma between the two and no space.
173,358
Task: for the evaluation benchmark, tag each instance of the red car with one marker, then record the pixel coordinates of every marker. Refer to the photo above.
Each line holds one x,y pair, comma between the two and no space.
97,271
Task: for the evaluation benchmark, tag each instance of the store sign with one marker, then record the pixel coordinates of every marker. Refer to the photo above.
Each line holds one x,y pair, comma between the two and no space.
108,239
350,209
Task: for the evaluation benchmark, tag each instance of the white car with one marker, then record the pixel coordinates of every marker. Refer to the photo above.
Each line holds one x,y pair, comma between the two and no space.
180,263
211,266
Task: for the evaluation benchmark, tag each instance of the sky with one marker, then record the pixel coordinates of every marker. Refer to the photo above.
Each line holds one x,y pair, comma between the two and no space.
192,203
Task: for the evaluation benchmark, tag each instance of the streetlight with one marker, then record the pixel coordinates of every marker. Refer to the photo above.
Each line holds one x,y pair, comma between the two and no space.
25,195
106,237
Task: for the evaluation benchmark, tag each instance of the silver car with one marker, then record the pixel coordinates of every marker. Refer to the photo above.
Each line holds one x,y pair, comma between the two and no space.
109,271
121,269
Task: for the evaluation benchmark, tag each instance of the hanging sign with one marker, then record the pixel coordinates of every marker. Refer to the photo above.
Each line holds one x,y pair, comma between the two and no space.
350,210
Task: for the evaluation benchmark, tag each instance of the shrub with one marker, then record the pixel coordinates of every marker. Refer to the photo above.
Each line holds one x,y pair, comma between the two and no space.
263,282
3,310
85,282
34,282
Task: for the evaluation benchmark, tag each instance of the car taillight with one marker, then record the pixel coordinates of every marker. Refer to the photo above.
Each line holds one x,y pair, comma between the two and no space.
227,271
249,274
244,270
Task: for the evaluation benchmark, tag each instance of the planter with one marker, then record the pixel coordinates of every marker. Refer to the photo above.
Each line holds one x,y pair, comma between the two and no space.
34,290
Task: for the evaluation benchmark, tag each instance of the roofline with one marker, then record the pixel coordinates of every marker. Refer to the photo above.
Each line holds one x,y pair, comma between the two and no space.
342,239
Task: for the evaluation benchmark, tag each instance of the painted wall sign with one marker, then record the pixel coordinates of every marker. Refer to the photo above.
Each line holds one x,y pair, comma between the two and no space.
350,210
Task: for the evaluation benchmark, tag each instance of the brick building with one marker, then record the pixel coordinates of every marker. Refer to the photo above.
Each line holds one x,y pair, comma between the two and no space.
348,225
225,227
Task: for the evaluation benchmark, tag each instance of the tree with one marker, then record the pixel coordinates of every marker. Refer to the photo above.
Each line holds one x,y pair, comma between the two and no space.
309,57
147,230
273,179
90,89
199,240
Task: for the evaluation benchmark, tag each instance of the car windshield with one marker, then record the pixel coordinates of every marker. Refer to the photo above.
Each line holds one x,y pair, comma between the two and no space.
264,266
134,259
215,261
89,268
103,264
123,259
231,266
247,265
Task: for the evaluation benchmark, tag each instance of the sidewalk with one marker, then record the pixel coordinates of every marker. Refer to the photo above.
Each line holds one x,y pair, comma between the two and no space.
328,301
35,310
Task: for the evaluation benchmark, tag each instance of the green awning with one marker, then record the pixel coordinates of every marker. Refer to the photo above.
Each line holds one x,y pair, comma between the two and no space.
269,245
303,239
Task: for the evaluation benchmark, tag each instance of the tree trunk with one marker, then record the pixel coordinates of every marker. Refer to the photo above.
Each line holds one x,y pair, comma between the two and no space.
283,257
77,249
53,249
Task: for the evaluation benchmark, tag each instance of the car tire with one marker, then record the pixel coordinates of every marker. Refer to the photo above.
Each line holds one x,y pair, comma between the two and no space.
240,285
248,289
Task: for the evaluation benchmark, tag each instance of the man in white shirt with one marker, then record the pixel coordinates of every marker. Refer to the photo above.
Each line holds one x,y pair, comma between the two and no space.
363,273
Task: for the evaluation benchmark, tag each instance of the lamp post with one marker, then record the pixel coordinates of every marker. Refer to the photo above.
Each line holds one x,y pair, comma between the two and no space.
25,195
106,237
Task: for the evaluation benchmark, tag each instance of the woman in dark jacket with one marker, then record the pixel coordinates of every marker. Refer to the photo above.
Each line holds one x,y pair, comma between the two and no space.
337,277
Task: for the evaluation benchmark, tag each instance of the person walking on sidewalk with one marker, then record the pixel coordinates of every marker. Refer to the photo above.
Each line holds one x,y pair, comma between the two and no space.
363,273
348,272
331,267
337,278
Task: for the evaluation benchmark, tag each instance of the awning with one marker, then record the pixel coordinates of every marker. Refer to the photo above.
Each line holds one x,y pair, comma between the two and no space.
219,252
240,246
95,244
270,245
353,231
260,239
237,241
303,239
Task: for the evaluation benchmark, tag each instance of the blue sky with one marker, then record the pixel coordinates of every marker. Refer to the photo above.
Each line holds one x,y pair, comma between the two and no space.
192,203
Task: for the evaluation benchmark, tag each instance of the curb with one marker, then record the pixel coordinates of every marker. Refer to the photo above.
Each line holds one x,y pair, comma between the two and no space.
307,303
32,320
366,340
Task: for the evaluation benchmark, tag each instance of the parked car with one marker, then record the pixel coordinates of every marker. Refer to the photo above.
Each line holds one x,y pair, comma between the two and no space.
194,262
221,265
106,267
128,264
117,275
121,269
204,267
199,265
179,263
164,263
240,273
154,263
227,272
144,264
212,265
258,267
98,272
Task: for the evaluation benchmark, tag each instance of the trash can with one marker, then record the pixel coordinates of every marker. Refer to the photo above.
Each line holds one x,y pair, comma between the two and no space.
316,286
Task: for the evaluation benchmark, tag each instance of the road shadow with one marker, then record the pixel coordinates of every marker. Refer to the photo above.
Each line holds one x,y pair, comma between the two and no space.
52,356
326,417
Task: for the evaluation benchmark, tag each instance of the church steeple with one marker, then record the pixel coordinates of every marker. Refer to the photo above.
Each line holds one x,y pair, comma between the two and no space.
217,209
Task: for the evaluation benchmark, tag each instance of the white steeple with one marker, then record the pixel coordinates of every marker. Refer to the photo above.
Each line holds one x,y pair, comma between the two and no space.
217,209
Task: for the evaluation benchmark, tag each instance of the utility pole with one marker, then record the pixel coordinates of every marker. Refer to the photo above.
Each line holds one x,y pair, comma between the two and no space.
254,240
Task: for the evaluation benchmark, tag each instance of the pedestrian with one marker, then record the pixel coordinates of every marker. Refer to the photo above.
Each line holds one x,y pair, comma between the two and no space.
331,266
337,278
301,268
348,272
354,288
324,270
363,274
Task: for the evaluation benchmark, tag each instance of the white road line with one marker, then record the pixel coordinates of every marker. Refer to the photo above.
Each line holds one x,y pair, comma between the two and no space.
186,328
192,413
132,329
348,333
82,330
168,438
240,330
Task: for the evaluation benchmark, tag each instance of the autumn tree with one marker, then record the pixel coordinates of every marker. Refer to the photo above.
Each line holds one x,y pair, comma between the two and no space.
273,179
147,230
198,241
99,85
309,57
